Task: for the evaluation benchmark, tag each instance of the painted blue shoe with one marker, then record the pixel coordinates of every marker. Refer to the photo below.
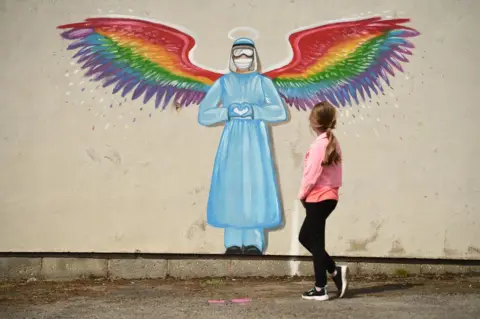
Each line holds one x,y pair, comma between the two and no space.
234,250
251,250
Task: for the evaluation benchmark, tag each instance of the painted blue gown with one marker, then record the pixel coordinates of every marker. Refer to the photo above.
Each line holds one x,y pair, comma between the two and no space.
244,197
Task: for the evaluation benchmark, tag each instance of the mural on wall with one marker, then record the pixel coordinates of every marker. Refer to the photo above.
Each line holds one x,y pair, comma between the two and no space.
342,62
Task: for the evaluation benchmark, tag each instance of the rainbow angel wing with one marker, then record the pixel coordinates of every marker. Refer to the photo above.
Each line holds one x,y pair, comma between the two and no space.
147,58
341,61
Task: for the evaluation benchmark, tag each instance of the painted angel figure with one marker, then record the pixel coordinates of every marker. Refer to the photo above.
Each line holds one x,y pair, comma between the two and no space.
341,62
244,197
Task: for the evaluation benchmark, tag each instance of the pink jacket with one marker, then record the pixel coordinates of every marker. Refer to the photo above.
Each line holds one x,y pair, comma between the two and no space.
314,174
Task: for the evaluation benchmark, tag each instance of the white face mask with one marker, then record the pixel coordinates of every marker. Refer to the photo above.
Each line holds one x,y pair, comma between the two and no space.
243,63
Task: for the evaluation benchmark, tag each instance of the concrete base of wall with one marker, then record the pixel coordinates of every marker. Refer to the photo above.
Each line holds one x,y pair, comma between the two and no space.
65,268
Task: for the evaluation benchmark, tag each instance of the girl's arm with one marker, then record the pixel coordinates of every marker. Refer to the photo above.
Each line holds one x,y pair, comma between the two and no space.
209,113
313,167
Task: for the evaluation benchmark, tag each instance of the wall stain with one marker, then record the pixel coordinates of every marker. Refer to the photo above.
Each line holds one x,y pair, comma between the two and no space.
473,250
296,156
114,157
93,155
397,248
362,245
448,251
199,225
197,190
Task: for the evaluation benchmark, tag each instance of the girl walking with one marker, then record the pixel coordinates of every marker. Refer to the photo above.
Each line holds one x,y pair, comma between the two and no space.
322,178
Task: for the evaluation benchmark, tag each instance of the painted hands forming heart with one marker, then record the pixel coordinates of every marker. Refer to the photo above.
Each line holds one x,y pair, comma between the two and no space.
242,110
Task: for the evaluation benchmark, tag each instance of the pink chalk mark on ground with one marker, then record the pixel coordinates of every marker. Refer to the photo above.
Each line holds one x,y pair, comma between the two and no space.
244,300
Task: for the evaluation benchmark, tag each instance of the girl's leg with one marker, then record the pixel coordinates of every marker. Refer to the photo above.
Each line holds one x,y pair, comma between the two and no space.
304,235
317,214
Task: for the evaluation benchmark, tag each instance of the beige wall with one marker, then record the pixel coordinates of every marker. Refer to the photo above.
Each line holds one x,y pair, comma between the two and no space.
80,176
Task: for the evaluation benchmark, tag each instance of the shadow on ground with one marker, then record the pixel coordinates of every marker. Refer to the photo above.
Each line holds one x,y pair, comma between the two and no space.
380,289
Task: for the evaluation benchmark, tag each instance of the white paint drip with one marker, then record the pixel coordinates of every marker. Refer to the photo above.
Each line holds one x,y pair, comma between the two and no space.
294,244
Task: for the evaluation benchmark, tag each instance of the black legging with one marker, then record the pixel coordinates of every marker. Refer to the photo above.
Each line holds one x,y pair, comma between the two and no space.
312,237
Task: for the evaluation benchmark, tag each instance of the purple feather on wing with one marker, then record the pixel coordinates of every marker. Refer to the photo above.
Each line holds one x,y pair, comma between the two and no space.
98,68
187,98
395,63
178,95
399,57
108,70
82,51
129,86
123,81
77,44
408,44
91,61
361,91
142,86
331,98
160,93
384,76
404,51
338,94
151,90
409,33
365,87
168,96
198,97
75,34
113,80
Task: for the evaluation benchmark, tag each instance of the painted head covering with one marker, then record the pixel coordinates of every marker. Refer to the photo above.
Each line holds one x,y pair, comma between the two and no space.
246,47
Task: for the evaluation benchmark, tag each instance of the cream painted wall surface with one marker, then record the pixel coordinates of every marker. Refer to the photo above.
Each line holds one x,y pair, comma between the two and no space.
81,176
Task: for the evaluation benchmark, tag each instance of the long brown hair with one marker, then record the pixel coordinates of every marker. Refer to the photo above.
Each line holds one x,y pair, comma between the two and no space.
323,118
